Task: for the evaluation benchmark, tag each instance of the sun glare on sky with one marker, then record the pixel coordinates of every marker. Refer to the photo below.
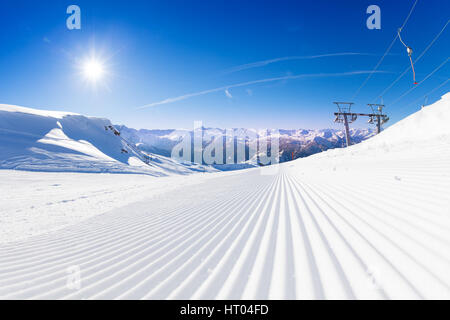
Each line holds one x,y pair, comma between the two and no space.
93,70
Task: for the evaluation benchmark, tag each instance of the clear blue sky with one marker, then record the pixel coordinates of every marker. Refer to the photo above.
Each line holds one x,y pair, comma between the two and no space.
158,50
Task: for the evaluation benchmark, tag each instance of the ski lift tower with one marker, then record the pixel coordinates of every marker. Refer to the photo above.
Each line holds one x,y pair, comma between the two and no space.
345,116
377,115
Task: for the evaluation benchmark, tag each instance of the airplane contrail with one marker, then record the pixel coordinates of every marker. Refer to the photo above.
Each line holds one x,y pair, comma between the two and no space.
248,83
270,61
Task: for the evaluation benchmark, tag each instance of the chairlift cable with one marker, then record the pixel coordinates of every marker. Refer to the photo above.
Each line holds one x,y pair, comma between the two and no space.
386,52
428,94
429,75
415,61
409,15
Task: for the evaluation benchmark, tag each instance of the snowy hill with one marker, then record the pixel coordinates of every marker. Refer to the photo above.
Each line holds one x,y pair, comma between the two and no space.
424,128
371,221
59,141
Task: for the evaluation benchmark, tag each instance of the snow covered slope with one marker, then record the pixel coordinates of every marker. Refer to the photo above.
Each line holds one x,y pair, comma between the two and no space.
427,126
371,221
58,141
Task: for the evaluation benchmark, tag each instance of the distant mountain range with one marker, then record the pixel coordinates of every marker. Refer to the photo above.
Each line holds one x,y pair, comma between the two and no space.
293,144
40,140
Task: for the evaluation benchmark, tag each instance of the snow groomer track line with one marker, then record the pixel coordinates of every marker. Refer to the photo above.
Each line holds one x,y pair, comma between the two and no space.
321,227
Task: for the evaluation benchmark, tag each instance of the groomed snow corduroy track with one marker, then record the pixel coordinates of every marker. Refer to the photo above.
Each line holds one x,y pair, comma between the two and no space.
308,230
368,222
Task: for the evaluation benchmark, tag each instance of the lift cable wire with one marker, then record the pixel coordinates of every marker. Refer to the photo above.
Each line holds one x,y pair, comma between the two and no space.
428,94
409,15
415,61
385,54
375,69
429,75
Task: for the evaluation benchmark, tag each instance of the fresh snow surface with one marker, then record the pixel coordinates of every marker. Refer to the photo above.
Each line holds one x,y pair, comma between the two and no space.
368,222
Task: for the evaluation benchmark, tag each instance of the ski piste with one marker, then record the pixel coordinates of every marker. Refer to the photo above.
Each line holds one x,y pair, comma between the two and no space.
186,151
321,227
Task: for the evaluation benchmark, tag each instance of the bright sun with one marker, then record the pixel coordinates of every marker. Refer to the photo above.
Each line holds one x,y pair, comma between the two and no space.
93,70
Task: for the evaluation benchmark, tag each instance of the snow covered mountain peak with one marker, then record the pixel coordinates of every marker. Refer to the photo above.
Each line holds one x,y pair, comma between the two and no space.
297,142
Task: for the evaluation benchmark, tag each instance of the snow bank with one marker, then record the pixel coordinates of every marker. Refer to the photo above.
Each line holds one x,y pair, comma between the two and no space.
426,126
432,122
39,140
44,113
